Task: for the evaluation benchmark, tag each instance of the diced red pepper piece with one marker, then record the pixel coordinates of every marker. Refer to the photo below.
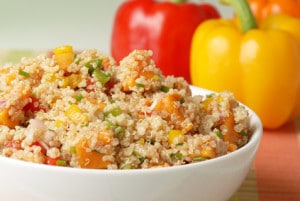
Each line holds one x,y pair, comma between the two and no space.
55,161
51,161
89,83
43,149
34,105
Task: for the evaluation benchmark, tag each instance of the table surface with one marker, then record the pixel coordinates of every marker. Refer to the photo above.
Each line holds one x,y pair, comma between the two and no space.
275,174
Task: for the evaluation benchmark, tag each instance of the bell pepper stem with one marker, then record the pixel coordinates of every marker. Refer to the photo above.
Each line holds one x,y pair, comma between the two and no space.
178,1
243,12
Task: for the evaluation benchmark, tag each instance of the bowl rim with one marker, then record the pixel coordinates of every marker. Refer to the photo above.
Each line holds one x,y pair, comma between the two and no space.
254,142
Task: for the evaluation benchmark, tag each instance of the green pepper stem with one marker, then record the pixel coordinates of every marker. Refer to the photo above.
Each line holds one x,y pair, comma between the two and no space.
178,1
243,12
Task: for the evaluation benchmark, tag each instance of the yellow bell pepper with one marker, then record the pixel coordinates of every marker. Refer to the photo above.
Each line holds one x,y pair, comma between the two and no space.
260,65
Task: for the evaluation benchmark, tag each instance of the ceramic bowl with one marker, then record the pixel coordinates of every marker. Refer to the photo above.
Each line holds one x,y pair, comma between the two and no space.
212,180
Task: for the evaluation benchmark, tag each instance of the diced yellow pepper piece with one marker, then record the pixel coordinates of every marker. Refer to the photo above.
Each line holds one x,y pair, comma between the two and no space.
59,123
50,77
4,70
9,78
209,100
142,141
63,49
72,81
175,136
76,115
64,56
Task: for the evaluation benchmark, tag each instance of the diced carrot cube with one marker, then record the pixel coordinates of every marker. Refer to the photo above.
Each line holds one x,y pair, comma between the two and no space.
89,159
6,120
167,104
231,135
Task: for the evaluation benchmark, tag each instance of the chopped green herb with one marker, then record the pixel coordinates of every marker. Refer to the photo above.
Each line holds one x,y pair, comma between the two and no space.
164,89
114,112
150,141
109,124
75,56
125,166
197,159
142,159
94,63
78,97
61,162
243,133
78,60
84,125
181,101
176,156
180,144
101,76
209,95
140,85
24,73
120,132
72,150
219,133
135,153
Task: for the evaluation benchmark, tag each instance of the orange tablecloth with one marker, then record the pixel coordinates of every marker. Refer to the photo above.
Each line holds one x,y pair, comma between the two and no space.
275,174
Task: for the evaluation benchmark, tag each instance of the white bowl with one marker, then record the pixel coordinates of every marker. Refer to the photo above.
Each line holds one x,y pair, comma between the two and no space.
211,180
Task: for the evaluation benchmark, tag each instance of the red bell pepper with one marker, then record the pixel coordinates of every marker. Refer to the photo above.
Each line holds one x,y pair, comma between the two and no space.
164,27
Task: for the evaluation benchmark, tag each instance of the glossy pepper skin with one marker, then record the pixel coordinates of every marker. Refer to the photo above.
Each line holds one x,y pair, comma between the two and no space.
261,66
164,27
262,8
